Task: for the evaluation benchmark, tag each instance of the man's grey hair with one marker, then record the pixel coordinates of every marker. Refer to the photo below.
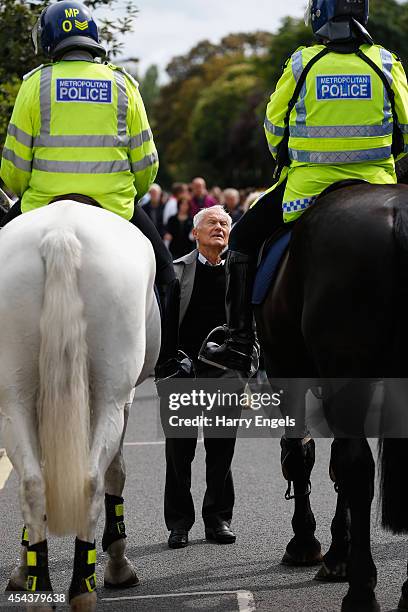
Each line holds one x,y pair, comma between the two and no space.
204,211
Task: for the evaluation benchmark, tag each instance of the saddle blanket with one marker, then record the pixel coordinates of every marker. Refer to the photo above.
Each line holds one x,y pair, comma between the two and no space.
268,268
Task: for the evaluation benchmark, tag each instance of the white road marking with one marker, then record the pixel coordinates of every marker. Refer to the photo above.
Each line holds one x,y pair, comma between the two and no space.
245,599
5,468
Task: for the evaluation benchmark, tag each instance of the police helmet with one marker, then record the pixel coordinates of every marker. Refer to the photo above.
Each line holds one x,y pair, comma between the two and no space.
64,26
336,20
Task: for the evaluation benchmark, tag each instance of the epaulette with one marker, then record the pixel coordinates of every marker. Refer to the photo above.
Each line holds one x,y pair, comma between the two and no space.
125,72
30,74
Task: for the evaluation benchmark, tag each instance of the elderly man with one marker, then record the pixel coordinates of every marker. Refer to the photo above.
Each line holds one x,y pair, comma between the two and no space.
202,284
199,196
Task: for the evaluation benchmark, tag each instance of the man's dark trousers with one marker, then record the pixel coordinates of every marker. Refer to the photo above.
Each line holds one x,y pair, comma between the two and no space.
219,496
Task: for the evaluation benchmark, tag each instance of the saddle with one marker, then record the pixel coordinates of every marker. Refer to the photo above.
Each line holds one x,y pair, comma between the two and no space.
77,197
275,247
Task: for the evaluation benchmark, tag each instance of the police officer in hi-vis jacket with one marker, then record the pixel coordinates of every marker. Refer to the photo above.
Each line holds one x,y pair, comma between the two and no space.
79,125
339,111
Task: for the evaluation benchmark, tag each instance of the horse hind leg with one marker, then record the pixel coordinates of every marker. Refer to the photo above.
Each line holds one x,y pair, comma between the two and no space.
297,459
107,433
334,566
20,433
353,467
119,571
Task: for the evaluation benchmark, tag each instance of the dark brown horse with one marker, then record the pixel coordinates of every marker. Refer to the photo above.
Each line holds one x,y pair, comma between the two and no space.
338,310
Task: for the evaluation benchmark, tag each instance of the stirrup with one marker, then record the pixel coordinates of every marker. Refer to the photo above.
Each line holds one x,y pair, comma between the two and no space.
176,367
253,358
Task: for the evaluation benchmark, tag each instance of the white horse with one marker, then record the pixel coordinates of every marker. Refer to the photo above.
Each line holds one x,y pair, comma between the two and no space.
80,327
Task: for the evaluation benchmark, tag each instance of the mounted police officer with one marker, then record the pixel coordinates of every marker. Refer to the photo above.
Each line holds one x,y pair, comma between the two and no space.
340,111
79,125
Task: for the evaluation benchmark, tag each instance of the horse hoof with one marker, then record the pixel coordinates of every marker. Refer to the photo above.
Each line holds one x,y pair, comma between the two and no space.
350,604
403,604
18,580
15,585
121,576
86,602
302,553
336,572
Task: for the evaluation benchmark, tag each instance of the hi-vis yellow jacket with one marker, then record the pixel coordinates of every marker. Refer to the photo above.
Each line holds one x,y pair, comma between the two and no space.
342,124
79,127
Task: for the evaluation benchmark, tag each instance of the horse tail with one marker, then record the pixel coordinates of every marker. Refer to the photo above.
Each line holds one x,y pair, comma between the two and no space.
63,400
393,452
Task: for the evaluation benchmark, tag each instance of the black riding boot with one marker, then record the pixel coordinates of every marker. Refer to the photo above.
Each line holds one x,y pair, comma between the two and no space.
172,362
237,352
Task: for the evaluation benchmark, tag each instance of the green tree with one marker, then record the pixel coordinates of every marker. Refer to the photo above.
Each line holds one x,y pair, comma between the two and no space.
191,75
149,87
226,130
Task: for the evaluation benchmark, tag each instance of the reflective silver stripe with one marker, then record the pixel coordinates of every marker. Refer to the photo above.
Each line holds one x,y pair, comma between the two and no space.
81,141
340,131
139,139
272,149
276,130
74,167
387,61
16,160
122,102
297,65
297,69
144,163
297,205
340,157
22,137
45,99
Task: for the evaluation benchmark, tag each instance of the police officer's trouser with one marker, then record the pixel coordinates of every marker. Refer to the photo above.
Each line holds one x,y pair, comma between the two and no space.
166,281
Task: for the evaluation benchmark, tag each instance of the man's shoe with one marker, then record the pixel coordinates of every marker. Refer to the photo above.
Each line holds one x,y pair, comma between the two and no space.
221,533
178,538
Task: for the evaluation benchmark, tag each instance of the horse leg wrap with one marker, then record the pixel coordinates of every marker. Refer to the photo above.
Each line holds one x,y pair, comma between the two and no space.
114,523
24,537
38,578
297,461
84,577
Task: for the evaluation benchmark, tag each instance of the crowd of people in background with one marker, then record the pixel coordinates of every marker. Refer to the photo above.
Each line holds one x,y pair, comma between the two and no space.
172,213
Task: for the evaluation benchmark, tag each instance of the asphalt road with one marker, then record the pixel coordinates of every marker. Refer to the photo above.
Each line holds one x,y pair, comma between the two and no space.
242,577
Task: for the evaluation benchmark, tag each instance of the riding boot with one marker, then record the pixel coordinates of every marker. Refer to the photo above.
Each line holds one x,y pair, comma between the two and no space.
172,363
237,352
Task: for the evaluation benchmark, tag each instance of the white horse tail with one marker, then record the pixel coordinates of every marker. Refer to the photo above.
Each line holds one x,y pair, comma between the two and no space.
63,401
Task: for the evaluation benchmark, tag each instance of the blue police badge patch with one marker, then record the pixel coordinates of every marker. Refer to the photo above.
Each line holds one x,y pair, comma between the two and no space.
83,90
344,87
